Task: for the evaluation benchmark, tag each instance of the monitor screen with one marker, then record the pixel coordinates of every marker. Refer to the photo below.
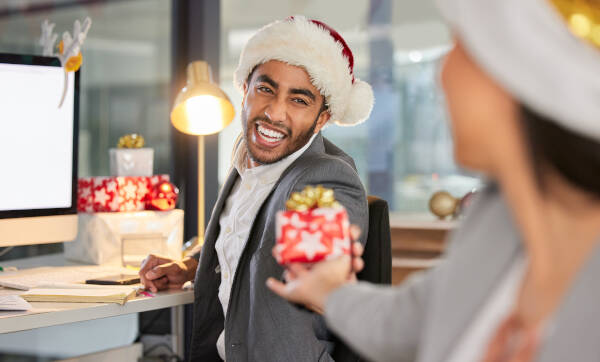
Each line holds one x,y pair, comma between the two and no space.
38,139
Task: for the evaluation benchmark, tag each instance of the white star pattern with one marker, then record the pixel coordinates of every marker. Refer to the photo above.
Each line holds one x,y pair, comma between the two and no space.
130,206
111,186
291,234
101,196
328,212
130,191
85,192
115,203
311,244
142,189
296,222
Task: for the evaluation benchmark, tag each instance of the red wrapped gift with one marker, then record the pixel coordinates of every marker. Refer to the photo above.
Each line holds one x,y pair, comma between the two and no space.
121,193
311,235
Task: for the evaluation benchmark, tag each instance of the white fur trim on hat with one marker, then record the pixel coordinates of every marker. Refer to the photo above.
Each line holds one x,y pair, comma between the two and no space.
300,42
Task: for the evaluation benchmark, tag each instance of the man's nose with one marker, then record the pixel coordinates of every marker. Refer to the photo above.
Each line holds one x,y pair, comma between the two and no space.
276,110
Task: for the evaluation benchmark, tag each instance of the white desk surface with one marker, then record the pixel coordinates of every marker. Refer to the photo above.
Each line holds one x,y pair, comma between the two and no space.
46,314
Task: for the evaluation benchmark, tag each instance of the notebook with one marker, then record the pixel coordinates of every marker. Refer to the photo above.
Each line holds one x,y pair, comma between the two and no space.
120,295
43,277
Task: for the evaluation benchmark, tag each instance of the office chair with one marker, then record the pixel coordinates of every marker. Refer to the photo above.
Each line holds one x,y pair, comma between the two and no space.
378,262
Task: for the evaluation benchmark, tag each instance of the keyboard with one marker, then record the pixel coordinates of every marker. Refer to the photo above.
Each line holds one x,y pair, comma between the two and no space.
57,276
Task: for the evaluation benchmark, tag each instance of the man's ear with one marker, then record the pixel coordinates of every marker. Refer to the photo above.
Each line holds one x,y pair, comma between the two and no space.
322,120
245,93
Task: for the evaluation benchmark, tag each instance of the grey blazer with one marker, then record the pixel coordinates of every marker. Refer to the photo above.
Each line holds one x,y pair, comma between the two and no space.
260,326
424,318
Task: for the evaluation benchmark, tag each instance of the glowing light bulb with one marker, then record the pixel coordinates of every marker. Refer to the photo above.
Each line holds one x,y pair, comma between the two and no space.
203,108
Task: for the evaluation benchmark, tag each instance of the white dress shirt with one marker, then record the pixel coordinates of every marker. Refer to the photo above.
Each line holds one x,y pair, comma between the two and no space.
239,212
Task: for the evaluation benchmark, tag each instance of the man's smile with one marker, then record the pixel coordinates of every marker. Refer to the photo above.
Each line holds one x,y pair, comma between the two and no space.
267,135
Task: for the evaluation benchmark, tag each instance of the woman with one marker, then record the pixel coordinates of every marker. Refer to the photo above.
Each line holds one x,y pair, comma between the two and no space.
518,281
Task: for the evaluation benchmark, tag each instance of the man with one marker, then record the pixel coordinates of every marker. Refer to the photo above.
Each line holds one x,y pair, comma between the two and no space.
296,76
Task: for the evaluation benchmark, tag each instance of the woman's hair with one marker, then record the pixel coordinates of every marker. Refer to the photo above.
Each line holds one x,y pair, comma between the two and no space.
573,156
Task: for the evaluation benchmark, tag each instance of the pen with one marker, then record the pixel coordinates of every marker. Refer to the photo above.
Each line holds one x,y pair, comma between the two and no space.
8,268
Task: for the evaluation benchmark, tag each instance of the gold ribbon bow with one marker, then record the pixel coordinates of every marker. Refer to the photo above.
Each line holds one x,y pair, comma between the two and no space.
582,17
132,140
310,198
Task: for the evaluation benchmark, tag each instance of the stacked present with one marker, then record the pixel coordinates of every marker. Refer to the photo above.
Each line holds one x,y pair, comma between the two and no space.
132,187
107,234
315,227
116,193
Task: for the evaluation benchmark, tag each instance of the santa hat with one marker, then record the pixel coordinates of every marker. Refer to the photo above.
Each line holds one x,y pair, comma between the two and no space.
527,47
323,53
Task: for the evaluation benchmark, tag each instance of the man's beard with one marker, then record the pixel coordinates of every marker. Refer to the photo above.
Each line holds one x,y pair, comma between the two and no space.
294,143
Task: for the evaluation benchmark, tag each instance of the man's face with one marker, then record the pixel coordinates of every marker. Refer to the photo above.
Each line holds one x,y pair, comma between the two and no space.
281,111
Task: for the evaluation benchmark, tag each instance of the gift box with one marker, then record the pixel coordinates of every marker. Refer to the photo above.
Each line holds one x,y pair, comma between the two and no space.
110,194
312,235
126,238
131,161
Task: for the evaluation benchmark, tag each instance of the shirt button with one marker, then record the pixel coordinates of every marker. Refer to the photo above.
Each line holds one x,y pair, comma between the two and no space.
226,275
248,187
228,229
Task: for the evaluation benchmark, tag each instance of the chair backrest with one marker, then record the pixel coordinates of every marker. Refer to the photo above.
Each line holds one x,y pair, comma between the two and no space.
378,262
378,250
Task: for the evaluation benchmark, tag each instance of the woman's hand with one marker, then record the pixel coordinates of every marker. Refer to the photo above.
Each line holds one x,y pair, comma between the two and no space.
311,287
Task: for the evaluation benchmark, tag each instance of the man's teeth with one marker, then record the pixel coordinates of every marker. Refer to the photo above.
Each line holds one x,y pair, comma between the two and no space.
270,133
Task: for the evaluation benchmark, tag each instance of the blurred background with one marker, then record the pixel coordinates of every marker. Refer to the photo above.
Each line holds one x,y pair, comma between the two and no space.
403,152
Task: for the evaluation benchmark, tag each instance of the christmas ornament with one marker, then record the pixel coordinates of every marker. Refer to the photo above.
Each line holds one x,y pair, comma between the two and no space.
443,204
132,140
69,48
163,197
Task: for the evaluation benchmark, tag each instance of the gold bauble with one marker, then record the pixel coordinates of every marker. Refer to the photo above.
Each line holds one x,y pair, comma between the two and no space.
442,204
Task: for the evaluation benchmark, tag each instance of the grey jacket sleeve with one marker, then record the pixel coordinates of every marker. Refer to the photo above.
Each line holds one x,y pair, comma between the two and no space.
381,323
348,189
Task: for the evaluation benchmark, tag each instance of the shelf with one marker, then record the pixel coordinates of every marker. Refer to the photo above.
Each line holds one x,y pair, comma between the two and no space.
420,221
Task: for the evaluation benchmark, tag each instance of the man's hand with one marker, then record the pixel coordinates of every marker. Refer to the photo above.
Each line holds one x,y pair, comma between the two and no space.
158,273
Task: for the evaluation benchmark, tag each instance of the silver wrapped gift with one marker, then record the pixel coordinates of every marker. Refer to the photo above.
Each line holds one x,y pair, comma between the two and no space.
131,161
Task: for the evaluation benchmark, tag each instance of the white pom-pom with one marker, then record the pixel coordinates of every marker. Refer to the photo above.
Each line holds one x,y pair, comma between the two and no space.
359,106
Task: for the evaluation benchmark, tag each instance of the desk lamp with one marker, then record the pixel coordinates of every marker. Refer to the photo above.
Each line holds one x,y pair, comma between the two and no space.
201,108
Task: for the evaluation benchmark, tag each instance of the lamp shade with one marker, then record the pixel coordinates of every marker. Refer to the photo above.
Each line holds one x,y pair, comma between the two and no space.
201,107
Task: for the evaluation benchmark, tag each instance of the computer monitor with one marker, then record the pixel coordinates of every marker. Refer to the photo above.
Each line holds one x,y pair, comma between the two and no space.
38,151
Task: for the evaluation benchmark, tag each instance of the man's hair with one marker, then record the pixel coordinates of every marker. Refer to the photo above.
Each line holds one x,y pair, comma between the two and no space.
573,156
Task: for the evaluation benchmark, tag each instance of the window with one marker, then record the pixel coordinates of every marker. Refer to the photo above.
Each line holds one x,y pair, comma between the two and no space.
126,71
404,151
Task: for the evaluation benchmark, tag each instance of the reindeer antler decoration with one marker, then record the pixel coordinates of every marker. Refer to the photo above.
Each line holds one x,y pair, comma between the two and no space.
69,48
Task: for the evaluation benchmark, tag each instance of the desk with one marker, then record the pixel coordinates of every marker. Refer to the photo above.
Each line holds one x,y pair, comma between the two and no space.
46,314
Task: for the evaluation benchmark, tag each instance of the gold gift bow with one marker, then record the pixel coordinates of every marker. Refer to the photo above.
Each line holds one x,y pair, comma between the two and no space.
311,197
132,140
582,17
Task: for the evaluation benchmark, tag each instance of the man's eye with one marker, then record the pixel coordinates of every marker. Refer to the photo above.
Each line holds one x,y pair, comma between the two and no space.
300,101
262,88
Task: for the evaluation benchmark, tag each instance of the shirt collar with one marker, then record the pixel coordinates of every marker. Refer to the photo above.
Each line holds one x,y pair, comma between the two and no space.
267,174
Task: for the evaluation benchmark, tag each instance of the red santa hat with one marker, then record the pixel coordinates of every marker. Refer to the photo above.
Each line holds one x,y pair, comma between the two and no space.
325,56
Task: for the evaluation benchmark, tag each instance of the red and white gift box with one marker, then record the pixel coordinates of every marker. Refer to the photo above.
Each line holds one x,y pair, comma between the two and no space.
311,236
121,193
